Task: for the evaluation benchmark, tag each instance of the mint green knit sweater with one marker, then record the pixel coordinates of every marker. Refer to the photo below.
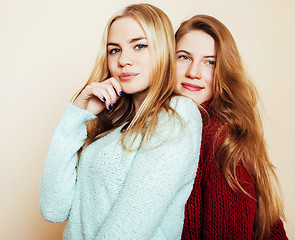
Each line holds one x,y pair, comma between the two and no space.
118,195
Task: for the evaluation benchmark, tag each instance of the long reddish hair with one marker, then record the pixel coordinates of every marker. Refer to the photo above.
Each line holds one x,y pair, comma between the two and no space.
235,102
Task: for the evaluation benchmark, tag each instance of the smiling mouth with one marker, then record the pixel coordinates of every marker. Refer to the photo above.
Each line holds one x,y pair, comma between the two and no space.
127,76
192,87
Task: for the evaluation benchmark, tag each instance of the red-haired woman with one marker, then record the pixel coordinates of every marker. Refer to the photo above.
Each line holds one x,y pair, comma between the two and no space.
234,196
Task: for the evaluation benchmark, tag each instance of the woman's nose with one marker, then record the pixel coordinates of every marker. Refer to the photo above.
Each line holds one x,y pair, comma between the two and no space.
194,71
125,59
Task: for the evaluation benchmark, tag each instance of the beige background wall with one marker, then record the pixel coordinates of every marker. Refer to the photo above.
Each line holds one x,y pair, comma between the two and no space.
47,50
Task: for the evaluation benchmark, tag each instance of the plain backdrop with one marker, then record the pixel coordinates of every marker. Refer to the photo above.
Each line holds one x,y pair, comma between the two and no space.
47,52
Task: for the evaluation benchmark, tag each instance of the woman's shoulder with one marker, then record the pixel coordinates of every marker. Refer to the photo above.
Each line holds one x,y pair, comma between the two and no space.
177,100
185,108
183,118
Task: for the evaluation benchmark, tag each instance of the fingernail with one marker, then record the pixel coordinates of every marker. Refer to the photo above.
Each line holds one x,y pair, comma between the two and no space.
121,93
104,99
110,107
114,104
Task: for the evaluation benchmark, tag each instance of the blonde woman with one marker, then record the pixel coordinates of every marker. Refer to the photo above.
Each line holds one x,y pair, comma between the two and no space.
234,196
136,143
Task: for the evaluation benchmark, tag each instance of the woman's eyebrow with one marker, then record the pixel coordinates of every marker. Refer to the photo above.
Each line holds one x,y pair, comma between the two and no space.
184,51
112,44
137,39
130,41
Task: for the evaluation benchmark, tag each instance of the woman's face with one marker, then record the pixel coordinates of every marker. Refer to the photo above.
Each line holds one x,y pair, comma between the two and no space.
129,59
195,64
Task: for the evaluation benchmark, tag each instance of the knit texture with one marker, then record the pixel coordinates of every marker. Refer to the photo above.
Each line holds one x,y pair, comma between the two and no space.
214,210
120,195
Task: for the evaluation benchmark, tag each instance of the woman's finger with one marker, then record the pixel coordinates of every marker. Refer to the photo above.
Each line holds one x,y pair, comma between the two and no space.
101,93
113,95
116,85
106,93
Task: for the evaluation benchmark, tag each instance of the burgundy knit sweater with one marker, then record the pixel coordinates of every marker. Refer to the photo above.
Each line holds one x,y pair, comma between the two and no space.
214,210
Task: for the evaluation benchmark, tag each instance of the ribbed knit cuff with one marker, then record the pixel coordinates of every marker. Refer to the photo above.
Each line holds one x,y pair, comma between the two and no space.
74,121
75,114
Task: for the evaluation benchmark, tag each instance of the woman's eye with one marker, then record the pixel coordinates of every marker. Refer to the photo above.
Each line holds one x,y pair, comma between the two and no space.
210,62
140,46
183,57
114,50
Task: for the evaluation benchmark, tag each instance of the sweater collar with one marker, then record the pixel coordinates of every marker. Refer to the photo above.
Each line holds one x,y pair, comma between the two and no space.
206,104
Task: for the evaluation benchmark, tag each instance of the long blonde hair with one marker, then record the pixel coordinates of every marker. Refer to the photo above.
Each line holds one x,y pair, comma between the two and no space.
235,102
161,44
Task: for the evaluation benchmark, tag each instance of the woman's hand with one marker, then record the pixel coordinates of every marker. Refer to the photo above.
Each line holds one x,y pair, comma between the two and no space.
98,96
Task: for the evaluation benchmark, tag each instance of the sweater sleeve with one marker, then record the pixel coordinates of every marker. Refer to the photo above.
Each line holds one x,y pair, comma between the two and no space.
158,173
59,175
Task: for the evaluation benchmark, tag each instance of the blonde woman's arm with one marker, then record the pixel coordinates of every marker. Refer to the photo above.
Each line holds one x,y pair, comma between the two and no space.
58,182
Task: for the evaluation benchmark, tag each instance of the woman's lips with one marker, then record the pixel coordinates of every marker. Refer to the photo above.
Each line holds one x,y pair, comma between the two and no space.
127,76
192,87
